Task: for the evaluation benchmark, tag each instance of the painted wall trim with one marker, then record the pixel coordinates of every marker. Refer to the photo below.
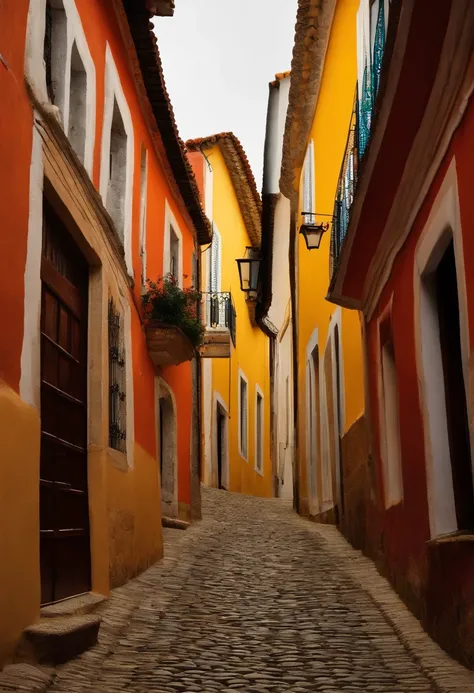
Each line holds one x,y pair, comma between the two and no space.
35,71
30,376
114,92
444,223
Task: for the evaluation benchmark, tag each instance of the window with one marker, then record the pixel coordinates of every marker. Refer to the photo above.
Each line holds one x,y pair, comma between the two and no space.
391,457
308,185
117,171
143,204
173,247
117,380
446,300
77,104
372,19
259,432
287,411
117,158
243,415
55,52
215,262
174,254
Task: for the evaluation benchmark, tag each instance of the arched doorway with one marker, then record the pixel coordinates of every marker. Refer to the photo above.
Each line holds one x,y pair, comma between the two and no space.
167,440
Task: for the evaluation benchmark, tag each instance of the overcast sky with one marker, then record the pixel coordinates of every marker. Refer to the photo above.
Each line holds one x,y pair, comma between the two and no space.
218,58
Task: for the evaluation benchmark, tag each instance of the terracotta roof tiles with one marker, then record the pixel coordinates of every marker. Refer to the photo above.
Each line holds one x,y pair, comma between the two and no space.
313,25
242,178
138,15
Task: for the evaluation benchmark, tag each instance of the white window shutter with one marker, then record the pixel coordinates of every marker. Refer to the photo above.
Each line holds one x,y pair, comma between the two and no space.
215,262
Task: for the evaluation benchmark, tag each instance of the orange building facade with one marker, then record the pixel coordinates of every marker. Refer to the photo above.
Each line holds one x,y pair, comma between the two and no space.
97,195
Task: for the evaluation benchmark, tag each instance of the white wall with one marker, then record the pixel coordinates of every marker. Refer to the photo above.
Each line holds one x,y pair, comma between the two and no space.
280,273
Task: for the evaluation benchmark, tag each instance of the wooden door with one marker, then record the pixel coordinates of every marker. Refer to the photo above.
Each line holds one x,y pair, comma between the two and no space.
220,443
64,513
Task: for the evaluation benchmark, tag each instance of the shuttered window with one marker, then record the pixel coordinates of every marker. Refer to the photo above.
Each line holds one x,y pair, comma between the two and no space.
215,262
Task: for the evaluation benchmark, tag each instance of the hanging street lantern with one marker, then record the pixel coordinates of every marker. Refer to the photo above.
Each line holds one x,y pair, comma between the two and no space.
249,269
312,232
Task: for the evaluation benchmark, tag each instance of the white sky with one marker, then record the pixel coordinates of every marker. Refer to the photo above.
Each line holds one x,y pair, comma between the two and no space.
218,58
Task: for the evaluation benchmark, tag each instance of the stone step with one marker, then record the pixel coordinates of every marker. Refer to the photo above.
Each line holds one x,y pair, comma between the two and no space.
174,523
75,606
59,639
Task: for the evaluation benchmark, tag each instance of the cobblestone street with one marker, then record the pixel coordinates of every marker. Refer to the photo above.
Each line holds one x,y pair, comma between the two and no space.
255,598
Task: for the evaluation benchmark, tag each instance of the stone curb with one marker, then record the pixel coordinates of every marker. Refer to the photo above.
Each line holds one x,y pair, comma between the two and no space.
444,673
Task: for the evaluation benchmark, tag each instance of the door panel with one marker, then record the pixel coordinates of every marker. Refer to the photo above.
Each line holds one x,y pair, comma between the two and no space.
64,512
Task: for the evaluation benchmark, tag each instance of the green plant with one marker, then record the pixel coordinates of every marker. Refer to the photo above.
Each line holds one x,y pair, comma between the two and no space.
165,301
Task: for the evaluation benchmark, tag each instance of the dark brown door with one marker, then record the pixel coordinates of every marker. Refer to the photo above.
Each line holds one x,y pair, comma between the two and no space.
64,513
220,443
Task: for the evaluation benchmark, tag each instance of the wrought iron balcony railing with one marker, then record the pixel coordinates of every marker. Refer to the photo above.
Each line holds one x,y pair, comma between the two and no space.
345,192
358,137
219,312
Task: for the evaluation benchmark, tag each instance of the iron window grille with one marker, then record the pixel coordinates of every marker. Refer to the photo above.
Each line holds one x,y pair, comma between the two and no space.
117,394
220,311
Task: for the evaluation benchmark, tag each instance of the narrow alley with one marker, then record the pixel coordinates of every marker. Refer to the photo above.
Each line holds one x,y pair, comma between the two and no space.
237,355
255,598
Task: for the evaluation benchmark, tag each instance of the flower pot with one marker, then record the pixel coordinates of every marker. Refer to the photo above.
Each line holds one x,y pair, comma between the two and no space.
167,344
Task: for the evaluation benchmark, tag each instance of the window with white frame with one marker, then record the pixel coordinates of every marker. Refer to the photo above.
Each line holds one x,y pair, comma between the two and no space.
309,185
243,415
59,69
55,52
393,481
259,431
117,380
173,247
77,104
117,171
143,204
174,253
117,158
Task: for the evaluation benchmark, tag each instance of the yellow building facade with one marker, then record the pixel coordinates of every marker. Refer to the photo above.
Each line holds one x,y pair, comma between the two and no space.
330,423
235,389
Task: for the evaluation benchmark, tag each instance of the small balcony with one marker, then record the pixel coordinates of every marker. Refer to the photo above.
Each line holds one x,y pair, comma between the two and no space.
219,318
358,138
167,344
346,188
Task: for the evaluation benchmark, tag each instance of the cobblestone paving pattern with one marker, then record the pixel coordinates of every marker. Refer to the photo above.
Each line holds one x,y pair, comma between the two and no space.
251,600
